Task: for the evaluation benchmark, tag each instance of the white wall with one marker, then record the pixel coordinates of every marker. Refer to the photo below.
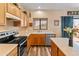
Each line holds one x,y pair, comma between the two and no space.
51,15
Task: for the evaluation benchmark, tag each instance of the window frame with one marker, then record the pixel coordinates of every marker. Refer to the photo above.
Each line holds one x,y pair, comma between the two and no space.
40,20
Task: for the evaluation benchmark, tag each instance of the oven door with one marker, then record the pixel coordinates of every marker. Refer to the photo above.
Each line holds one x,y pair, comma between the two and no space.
22,47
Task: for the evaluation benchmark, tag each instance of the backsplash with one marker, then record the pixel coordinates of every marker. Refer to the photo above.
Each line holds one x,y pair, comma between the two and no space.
7,28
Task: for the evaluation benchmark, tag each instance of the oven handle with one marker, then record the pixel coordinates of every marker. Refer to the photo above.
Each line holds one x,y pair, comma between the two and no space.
22,43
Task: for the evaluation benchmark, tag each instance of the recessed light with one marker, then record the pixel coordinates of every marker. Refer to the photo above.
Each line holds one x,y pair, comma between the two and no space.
39,7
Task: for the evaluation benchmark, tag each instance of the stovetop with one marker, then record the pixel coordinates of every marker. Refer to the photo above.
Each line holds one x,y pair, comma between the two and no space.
14,40
19,39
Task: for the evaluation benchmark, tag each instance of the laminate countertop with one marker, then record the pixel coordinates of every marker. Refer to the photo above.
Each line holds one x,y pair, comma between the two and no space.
62,44
5,49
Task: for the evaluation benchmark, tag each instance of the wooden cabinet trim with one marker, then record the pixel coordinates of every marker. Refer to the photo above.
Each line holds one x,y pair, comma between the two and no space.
2,14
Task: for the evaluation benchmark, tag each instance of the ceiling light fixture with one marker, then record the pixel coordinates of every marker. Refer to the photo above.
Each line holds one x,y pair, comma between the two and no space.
39,7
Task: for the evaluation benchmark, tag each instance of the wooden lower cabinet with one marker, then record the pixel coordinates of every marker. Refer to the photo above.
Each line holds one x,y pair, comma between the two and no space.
36,39
60,53
55,51
13,52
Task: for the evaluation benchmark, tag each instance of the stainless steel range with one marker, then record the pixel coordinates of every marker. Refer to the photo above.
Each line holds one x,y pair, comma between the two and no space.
10,38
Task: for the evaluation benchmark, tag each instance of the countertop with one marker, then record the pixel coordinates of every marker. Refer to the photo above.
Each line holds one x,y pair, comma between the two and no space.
62,43
5,49
27,33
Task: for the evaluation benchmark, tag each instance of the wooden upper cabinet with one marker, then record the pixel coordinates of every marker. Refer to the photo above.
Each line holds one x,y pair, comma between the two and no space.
22,22
2,14
18,12
12,9
23,19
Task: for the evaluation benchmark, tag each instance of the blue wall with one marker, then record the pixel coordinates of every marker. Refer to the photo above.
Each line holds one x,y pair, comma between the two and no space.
66,21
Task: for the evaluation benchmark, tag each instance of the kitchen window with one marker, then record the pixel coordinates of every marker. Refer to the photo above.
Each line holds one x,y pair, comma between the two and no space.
40,23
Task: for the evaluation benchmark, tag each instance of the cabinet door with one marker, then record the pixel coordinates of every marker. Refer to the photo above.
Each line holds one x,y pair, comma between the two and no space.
25,20
13,52
22,19
17,12
41,39
12,9
60,53
32,39
28,44
2,14
35,41
53,49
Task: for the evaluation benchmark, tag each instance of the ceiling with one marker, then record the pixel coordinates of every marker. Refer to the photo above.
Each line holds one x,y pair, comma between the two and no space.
50,6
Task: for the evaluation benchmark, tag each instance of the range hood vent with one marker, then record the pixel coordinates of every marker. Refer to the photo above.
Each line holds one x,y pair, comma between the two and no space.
12,17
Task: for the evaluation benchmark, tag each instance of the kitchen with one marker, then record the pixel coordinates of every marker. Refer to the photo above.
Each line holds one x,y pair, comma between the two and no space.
29,29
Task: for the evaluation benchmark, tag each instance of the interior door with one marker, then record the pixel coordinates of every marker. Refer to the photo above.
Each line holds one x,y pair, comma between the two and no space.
66,21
